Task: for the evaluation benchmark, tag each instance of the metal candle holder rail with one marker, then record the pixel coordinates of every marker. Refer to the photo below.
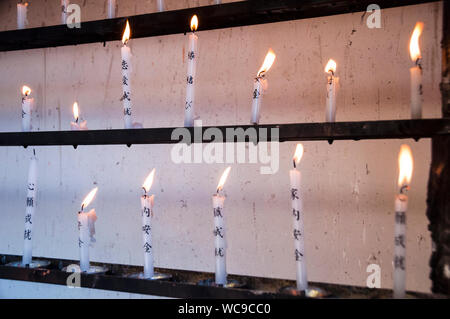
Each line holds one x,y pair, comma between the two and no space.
398,129
236,14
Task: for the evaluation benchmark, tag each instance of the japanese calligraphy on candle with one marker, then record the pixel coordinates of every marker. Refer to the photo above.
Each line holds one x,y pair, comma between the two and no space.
259,86
77,124
405,162
220,244
330,112
86,229
126,71
22,15
190,78
27,108
416,72
147,212
29,210
297,214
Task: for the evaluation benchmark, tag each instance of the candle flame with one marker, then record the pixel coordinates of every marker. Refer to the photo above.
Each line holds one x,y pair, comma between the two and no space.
26,90
75,110
268,61
331,66
223,178
194,23
414,49
126,34
298,153
88,199
405,162
149,181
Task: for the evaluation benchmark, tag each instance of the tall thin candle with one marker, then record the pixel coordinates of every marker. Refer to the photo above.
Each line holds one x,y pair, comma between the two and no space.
22,15
147,213
27,107
191,72
405,162
64,5
416,73
297,212
330,112
86,230
220,242
161,6
126,85
111,9
29,210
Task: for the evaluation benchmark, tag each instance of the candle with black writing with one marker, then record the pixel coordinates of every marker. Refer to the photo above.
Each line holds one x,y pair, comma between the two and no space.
86,230
29,210
259,86
27,107
220,243
126,71
297,213
77,124
330,113
416,73
405,162
147,212
21,15
191,72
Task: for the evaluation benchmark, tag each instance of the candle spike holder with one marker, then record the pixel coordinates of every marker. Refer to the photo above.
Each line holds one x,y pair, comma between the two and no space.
92,269
35,263
231,283
311,292
156,276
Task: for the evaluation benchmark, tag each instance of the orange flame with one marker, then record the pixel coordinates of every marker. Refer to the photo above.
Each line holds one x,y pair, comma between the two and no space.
126,34
331,66
26,90
414,49
149,181
194,23
75,110
405,163
223,178
268,61
88,199
298,153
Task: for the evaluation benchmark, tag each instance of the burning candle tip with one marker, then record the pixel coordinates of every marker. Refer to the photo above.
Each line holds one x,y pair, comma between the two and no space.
126,34
194,23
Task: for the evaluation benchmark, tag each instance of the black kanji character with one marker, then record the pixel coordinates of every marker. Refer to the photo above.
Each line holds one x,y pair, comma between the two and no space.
297,234
218,212
399,262
146,229
27,234
298,255
294,193
219,252
400,240
146,211
28,218
218,232
256,94
30,201
147,247
127,111
191,55
124,65
400,217
125,80
296,214
190,79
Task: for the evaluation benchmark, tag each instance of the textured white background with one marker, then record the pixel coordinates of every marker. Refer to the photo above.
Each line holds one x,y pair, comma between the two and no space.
349,186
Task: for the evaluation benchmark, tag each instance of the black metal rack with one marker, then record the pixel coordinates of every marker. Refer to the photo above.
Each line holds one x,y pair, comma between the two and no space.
224,16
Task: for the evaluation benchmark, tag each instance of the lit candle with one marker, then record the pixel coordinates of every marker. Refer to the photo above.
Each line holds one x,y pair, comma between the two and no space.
86,230
126,70
297,212
416,73
259,86
78,124
405,162
27,107
219,231
64,5
29,210
111,9
147,212
22,15
161,6
190,79
330,68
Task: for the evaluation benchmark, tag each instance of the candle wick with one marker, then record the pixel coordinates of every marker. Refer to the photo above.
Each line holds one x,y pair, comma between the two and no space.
34,152
295,165
403,189
418,63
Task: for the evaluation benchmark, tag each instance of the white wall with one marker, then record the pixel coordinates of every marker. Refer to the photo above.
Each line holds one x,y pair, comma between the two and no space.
349,185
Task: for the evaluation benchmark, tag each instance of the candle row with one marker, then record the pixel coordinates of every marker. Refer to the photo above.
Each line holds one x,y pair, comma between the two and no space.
86,222
260,83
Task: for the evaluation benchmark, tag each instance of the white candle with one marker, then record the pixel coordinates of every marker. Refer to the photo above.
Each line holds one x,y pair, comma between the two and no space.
27,107
401,206
220,244
218,1
147,213
330,112
416,73
259,86
297,212
190,78
77,125
86,230
22,15
126,85
161,6
64,5
111,9
29,210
